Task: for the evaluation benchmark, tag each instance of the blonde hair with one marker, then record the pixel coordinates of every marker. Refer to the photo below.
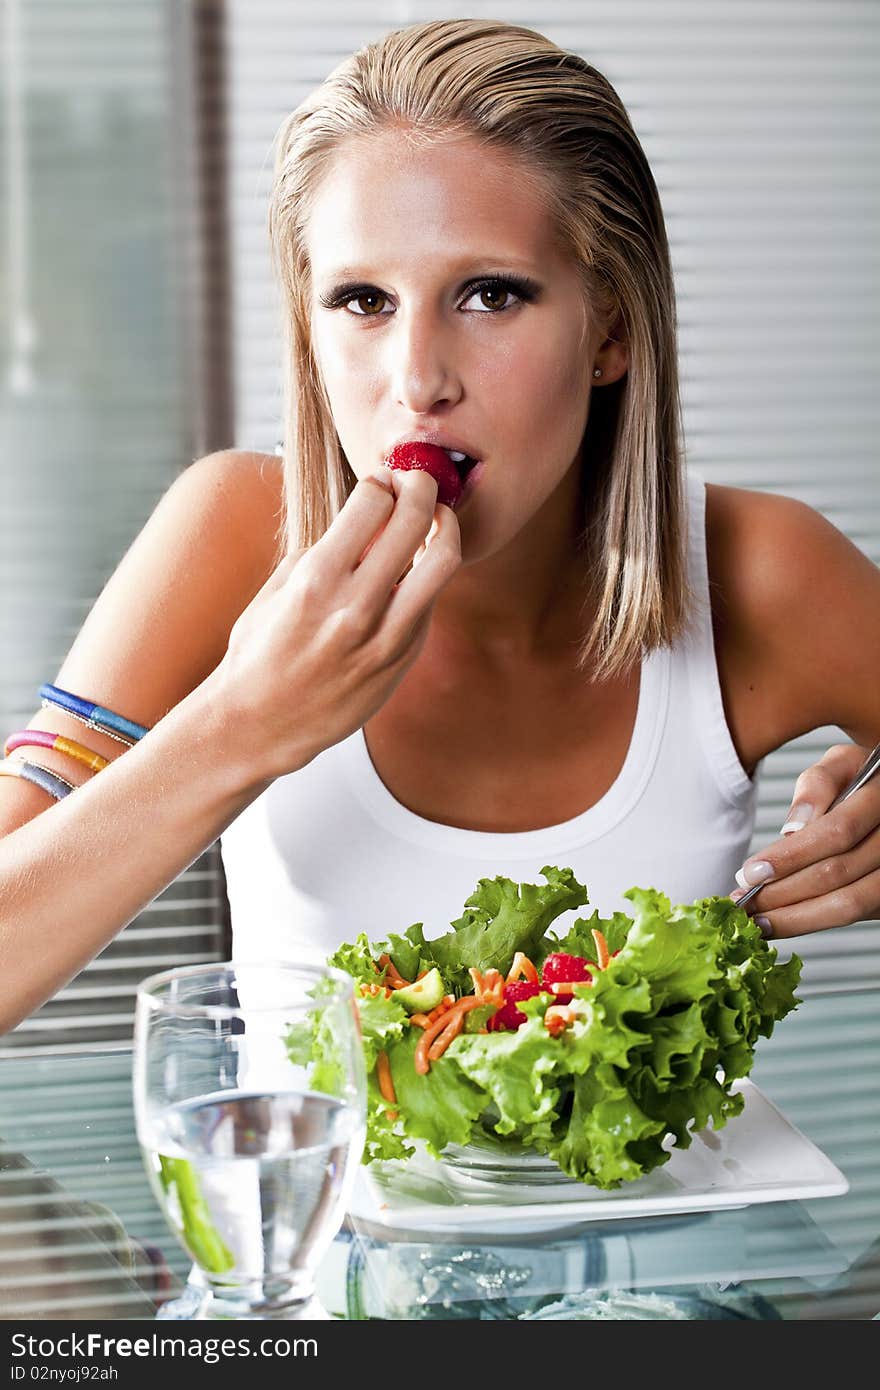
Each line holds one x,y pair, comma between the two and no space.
521,94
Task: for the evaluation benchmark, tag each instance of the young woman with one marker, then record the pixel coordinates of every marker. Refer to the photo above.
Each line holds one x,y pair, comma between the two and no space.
376,698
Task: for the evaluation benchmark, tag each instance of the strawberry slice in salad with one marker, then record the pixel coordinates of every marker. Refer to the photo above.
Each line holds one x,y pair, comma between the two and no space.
509,1016
560,969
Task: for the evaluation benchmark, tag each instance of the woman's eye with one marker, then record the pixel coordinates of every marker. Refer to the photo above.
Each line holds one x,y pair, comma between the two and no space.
365,297
492,296
491,293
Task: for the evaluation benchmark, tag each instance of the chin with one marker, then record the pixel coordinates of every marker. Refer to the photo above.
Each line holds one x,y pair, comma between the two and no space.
483,536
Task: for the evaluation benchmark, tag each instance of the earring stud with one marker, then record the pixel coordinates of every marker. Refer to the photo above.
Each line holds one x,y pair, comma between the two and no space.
597,372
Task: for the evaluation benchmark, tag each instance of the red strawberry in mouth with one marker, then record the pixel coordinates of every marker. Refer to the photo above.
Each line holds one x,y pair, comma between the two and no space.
430,458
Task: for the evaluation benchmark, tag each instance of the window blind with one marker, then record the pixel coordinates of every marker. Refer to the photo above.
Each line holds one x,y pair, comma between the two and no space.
105,388
760,124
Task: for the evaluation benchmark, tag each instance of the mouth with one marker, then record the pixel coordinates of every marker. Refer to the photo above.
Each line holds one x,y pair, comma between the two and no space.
450,468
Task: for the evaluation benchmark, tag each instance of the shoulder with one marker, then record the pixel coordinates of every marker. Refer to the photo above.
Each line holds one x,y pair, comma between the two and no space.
208,547
756,542
162,622
223,517
239,490
796,612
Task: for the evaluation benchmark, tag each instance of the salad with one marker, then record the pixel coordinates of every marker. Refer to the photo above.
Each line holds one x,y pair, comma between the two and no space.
594,1045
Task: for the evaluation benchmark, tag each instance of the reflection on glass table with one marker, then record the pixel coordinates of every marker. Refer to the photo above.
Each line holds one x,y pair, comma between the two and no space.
81,1237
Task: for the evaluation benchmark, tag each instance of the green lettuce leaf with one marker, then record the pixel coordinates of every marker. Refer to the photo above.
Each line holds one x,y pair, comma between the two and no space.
656,1040
441,1106
500,918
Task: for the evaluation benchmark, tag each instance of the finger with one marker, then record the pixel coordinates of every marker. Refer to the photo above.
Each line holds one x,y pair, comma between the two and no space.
418,591
358,524
817,787
282,572
836,832
826,875
404,534
841,908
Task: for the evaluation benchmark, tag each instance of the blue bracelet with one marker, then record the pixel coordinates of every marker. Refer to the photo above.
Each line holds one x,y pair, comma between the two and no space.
40,776
92,715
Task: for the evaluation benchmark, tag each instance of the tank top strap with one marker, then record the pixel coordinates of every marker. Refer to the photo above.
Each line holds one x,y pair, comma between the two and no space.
698,652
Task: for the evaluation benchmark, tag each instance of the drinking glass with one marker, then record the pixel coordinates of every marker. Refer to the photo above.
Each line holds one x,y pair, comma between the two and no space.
250,1104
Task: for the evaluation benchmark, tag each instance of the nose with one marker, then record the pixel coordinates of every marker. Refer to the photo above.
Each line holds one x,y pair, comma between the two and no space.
422,362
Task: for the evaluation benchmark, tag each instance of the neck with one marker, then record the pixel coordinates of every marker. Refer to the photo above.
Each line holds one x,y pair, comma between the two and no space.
529,597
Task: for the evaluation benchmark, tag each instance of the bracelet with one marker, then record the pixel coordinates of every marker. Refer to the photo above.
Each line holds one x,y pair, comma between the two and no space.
92,715
40,776
44,738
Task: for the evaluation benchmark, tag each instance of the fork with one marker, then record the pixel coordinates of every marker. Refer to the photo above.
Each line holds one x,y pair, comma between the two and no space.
864,774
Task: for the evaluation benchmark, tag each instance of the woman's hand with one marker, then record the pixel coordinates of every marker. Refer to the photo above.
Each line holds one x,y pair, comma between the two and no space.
334,629
825,870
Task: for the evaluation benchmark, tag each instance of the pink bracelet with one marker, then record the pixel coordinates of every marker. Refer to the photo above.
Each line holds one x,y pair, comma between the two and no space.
44,738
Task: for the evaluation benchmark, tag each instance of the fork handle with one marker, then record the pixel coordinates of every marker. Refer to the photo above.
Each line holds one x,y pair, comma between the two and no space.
864,774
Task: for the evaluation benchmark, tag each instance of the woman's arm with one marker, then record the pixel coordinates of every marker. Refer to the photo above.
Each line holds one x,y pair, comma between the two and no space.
74,875
162,622
797,611
240,687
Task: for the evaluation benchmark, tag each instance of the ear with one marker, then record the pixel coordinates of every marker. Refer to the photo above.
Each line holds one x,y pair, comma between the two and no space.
613,354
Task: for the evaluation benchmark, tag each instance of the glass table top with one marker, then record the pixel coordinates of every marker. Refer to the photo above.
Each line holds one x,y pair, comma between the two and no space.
81,1236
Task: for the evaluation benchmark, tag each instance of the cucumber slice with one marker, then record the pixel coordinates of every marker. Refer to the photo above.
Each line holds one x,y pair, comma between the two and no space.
422,995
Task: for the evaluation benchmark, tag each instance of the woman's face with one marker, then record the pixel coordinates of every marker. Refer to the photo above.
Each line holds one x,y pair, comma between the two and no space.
442,307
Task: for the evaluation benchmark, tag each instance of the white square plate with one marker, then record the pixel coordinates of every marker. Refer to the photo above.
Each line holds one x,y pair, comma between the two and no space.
758,1156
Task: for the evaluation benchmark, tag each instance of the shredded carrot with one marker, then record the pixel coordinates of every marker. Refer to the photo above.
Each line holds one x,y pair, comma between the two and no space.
522,967
392,974
461,1007
452,1030
601,948
493,980
371,989
443,1007
446,1021
558,1017
383,1076
491,983
422,1020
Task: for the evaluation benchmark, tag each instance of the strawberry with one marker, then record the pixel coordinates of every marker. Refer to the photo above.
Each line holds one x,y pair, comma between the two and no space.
430,458
561,968
509,1017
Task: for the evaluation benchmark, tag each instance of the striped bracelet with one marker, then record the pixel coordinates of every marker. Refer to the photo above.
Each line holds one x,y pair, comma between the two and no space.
40,776
44,738
92,715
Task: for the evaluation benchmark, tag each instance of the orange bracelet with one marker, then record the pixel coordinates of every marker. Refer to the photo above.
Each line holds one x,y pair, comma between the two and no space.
44,738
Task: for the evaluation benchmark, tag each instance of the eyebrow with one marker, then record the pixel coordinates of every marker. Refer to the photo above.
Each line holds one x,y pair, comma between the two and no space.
355,272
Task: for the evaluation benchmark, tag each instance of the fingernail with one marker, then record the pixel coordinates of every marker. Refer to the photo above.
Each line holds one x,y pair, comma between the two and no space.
764,924
797,818
759,871
737,894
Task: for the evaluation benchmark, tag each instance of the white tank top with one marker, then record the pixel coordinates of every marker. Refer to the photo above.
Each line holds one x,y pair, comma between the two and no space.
327,852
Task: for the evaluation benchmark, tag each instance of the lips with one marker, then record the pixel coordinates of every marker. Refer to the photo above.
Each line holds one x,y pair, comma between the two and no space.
431,458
